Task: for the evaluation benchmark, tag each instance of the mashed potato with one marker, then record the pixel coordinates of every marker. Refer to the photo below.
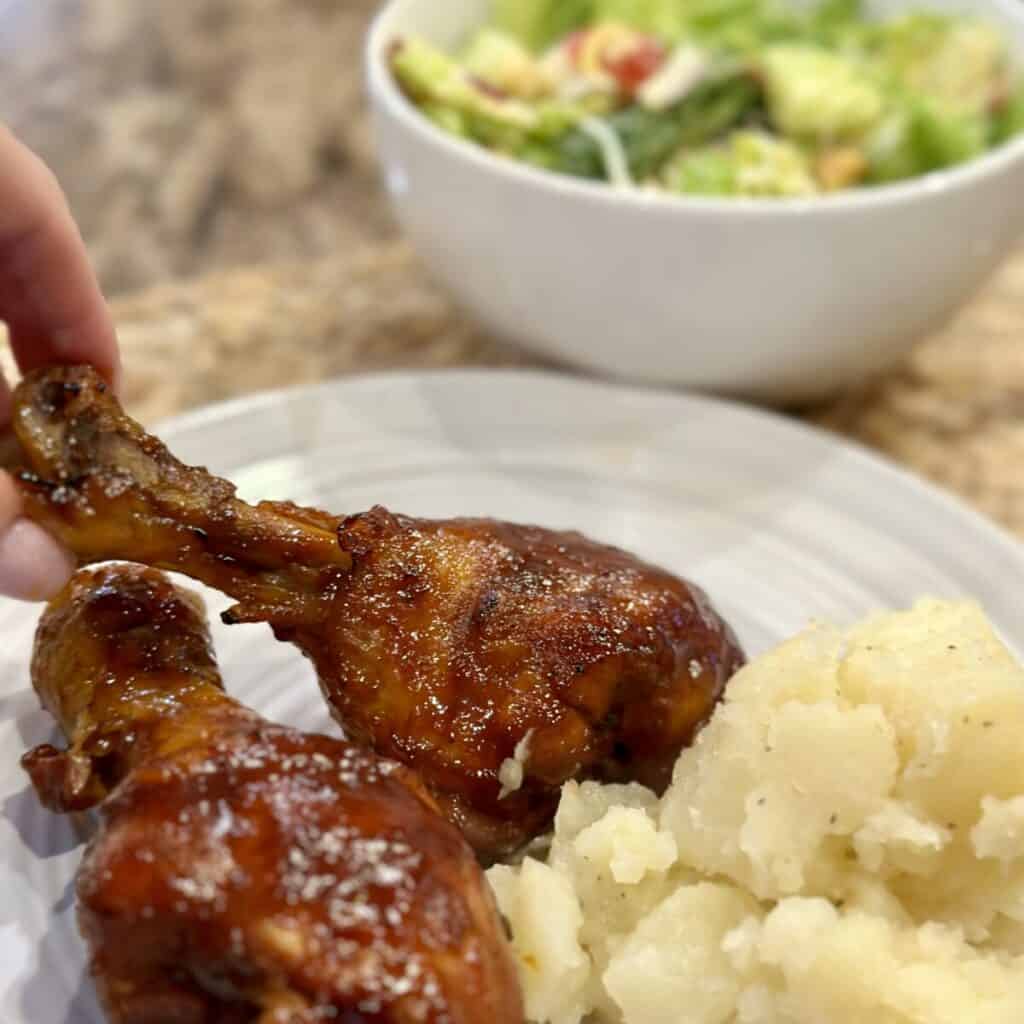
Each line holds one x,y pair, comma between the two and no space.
844,843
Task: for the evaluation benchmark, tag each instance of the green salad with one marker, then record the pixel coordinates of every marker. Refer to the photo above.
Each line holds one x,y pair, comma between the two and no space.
722,97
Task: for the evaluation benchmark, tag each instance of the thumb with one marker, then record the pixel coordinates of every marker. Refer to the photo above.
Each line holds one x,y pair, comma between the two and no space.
33,567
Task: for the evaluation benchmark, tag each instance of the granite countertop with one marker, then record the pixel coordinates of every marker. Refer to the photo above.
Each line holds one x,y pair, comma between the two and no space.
225,253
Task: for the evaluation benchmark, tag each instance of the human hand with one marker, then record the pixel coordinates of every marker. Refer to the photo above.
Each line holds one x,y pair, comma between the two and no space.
54,312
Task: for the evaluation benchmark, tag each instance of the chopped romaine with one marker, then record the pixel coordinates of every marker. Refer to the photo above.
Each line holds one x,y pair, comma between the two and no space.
506,123
1010,116
921,138
710,171
770,167
959,63
447,119
751,164
819,96
891,153
430,75
833,22
504,63
945,139
743,26
539,23
664,18
556,119
650,138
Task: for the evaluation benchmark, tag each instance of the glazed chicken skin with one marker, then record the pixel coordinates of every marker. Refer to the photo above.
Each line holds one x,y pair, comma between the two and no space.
244,872
498,661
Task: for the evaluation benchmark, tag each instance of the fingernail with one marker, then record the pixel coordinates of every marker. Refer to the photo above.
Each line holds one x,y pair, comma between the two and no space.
81,344
33,567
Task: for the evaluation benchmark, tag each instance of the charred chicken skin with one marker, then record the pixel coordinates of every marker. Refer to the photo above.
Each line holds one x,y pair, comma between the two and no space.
498,661
245,872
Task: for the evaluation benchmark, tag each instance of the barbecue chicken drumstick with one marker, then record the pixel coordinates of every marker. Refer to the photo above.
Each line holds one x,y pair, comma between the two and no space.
498,661
246,873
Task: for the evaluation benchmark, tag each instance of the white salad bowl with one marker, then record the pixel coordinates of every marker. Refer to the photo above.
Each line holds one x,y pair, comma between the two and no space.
782,300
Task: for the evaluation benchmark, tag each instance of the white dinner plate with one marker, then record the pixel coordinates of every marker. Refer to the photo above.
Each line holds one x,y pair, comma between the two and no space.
780,523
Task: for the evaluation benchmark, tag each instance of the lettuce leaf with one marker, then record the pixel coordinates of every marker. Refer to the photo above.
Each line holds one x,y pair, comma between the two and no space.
665,18
817,95
921,137
650,138
1010,120
710,171
958,61
539,23
749,164
503,62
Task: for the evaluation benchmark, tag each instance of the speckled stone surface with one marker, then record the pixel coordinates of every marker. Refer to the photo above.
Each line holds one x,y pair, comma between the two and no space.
165,120
195,135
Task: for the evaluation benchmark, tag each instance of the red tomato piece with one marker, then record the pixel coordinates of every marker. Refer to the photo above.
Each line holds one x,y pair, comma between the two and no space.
634,66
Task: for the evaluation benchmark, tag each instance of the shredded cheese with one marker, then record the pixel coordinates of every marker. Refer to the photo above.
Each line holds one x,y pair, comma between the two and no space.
683,71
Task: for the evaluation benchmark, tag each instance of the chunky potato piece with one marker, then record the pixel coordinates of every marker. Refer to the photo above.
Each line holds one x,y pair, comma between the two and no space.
843,843
544,917
816,963
676,958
